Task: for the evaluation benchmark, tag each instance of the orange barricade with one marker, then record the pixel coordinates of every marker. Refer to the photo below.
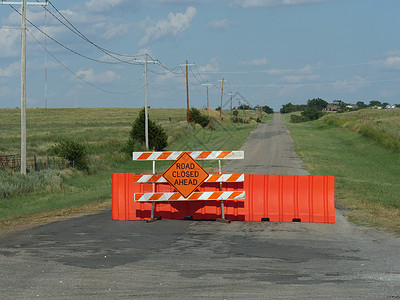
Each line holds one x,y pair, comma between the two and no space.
275,198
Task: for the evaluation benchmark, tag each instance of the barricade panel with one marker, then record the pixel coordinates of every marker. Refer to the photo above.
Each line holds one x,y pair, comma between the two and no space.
276,197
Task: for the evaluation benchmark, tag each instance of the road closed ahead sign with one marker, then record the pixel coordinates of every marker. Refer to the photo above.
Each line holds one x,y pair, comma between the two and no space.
185,175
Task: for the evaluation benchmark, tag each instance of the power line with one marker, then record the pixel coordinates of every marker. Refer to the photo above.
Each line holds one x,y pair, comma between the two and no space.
62,45
318,84
81,35
73,73
133,58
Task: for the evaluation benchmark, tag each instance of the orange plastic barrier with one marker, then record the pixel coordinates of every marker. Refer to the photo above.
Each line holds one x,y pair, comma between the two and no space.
275,198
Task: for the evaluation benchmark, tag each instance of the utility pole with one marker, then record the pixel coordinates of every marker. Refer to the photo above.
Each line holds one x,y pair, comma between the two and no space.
23,89
239,111
45,60
187,92
23,77
146,118
231,105
146,85
207,84
187,88
243,111
222,93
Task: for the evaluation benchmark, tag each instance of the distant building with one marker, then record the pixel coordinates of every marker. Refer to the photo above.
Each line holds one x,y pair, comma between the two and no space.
332,107
391,107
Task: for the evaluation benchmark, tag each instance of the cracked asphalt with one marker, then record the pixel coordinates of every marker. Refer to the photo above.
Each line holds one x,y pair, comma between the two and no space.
93,257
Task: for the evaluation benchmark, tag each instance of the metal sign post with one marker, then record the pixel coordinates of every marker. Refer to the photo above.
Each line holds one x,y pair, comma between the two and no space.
185,176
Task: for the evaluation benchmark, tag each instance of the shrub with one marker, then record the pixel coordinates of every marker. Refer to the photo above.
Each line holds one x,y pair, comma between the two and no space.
197,117
311,114
15,184
73,151
158,138
296,119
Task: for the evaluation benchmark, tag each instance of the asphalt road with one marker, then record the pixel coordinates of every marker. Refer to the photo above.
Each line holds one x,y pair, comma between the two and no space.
93,257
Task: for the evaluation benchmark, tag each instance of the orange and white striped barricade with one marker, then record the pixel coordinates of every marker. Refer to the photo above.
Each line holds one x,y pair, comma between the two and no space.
186,169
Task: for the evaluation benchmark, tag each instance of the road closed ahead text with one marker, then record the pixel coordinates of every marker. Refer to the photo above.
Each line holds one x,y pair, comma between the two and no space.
185,175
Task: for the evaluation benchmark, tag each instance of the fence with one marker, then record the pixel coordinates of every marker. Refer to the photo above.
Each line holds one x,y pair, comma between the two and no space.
170,119
13,163
54,163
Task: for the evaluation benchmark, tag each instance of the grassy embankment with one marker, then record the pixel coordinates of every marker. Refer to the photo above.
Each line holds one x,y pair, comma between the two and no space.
105,131
361,150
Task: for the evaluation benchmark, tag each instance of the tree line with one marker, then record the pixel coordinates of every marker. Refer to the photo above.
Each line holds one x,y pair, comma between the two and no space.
314,109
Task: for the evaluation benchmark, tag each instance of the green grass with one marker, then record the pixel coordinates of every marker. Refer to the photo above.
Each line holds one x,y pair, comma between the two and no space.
103,128
366,174
383,126
106,130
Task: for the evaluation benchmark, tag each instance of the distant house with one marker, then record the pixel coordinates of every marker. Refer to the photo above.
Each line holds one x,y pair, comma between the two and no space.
376,107
332,107
390,106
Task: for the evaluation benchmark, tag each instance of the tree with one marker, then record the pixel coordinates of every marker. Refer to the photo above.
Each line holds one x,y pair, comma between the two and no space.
339,103
197,117
158,138
267,109
317,104
361,104
74,151
375,103
245,107
288,108
311,114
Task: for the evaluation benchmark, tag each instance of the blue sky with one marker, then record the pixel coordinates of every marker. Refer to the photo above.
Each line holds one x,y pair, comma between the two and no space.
270,51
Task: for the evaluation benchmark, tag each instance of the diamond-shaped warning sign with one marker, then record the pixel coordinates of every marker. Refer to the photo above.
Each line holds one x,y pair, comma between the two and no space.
185,175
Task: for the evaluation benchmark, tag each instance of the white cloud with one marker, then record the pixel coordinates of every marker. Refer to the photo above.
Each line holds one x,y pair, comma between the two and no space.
177,79
392,62
10,42
34,15
351,85
110,30
90,76
212,66
271,3
299,78
143,51
80,16
306,70
102,5
255,62
11,70
169,78
173,25
219,24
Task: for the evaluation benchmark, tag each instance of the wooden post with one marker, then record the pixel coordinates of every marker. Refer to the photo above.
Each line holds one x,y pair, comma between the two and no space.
231,107
208,113
187,92
222,93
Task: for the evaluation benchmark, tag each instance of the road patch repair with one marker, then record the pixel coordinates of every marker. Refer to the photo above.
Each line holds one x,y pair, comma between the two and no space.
186,191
